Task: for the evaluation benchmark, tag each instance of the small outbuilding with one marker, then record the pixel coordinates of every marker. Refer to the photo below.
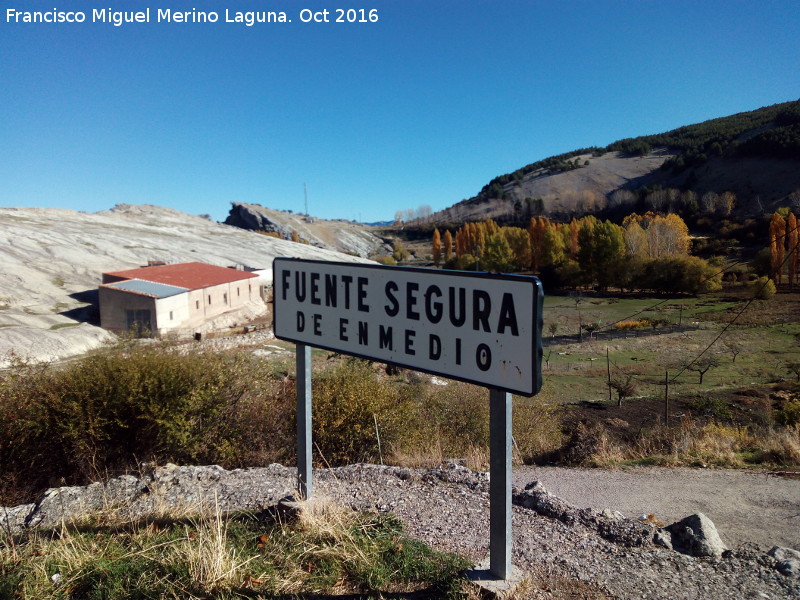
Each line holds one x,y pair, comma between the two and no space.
176,298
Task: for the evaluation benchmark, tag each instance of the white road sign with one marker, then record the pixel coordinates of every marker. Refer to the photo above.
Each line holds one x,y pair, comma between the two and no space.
476,327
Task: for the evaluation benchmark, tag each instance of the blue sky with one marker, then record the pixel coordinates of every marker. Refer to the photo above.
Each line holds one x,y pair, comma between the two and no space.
423,107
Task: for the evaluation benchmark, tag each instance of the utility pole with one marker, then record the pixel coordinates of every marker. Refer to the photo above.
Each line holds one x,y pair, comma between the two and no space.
608,367
305,192
666,397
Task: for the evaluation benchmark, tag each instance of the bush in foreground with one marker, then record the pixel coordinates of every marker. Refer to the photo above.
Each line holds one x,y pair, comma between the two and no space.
106,413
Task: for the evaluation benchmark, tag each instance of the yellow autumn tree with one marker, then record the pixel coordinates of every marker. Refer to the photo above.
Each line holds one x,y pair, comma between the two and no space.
792,238
519,242
572,246
436,247
635,239
448,245
777,235
655,235
536,237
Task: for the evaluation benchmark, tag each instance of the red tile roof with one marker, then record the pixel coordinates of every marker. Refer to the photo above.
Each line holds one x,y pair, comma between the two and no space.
193,275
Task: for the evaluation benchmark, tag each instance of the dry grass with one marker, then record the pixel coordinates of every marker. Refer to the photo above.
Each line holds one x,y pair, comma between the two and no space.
784,445
690,443
327,549
206,554
474,457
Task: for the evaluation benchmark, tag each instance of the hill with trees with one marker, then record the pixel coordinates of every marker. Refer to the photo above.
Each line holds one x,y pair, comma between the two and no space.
753,155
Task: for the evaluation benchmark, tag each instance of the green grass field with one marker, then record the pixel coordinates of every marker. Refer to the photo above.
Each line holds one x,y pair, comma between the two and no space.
743,355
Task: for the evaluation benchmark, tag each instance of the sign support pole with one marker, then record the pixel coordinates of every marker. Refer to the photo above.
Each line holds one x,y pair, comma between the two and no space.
500,539
304,474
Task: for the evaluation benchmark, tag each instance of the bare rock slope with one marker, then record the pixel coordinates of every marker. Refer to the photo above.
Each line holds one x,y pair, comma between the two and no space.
52,261
581,189
339,235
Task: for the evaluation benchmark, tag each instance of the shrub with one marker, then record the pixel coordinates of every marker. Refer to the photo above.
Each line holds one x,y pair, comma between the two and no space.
763,288
789,413
386,259
108,411
711,406
348,401
399,253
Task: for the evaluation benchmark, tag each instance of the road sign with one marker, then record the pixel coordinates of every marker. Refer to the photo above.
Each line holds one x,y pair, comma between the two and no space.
475,327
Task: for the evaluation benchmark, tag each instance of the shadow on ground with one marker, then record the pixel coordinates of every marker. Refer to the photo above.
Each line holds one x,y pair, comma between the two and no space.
90,312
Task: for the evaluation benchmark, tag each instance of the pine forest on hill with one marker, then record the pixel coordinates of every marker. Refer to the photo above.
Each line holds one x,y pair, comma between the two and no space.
751,154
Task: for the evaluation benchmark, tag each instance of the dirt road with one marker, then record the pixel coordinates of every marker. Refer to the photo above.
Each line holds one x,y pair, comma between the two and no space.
745,506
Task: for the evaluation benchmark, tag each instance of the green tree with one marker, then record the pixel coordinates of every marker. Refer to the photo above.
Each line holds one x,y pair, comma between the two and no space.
609,248
601,252
553,247
497,254
520,244
586,254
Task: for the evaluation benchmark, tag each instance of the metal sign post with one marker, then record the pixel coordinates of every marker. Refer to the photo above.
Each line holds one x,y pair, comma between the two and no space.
500,539
304,476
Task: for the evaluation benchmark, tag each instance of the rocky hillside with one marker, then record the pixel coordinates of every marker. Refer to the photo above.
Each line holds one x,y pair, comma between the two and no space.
543,191
341,236
754,154
53,260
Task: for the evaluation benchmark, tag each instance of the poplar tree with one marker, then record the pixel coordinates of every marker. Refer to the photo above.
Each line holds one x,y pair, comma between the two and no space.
437,247
536,235
448,245
519,242
552,246
792,237
777,235
573,239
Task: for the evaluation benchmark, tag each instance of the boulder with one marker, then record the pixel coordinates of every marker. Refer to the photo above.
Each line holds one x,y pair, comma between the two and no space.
788,561
696,535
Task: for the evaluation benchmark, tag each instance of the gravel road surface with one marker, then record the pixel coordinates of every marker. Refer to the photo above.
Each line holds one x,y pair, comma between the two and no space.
745,506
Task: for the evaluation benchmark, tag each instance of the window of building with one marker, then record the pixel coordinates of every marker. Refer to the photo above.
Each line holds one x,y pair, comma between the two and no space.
170,315
225,298
197,304
237,292
209,298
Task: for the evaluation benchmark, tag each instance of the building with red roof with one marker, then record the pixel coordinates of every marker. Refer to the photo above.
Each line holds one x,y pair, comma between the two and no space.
178,298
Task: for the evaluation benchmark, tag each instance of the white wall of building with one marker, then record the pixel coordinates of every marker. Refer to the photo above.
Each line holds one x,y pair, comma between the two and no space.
180,313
